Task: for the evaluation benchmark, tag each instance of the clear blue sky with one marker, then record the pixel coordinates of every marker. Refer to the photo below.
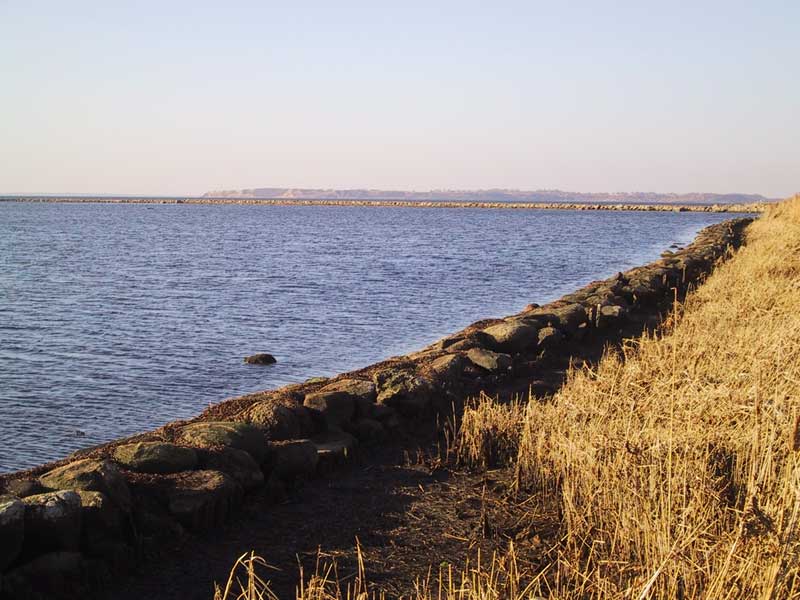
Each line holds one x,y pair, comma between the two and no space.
183,97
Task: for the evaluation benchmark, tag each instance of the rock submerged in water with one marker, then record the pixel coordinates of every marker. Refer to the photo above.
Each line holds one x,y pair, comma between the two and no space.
261,358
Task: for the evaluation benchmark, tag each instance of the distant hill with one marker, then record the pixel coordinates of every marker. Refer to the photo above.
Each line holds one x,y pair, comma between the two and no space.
495,195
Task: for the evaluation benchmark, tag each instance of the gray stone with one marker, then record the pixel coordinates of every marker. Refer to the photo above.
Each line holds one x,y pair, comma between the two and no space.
280,420
203,499
296,458
448,366
404,391
570,316
91,475
24,487
52,522
261,358
335,443
512,336
220,434
550,337
491,361
155,457
12,529
102,521
610,315
342,400
334,448
236,463
386,416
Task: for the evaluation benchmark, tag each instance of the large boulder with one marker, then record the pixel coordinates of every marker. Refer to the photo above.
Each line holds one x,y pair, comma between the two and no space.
512,336
447,367
567,318
262,358
550,337
221,434
22,488
12,529
155,457
342,400
52,522
93,476
405,391
608,316
280,419
102,522
236,463
203,499
295,458
493,362
333,449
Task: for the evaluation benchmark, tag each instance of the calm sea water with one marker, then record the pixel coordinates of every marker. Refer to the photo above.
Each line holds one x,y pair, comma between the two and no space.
118,318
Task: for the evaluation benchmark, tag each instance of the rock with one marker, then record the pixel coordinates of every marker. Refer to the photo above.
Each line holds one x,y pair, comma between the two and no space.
211,434
102,522
280,420
236,463
52,522
570,316
12,529
404,391
153,521
369,430
260,359
342,400
550,337
447,366
333,448
313,380
296,458
24,487
386,416
463,344
491,361
512,336
155,457
203,499
608,315
91,475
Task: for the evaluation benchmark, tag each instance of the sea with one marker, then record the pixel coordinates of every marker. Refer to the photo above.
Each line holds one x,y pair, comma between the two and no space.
118,318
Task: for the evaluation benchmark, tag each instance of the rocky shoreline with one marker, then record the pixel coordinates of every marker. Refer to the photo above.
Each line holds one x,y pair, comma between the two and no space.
713,208
71,525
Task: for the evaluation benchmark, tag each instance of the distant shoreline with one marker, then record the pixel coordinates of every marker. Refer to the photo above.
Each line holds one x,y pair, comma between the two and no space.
611,206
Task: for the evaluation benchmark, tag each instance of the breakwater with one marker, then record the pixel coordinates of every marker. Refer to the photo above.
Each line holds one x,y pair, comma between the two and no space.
68,525
708,208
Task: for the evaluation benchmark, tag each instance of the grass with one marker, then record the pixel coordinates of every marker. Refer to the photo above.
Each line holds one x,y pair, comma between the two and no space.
673,466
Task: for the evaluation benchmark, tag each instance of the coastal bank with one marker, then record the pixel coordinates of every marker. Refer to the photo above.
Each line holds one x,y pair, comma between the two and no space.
72,525
757,207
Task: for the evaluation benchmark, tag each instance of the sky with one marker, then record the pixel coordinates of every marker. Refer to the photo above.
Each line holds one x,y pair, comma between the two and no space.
179,98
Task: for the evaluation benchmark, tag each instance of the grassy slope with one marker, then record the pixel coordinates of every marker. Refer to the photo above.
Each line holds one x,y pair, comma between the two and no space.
677,470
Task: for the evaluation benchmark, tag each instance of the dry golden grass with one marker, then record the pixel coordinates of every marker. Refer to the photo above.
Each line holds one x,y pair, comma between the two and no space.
488,434
676,467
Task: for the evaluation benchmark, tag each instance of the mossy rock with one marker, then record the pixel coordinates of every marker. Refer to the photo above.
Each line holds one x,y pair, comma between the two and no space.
214,434
156,457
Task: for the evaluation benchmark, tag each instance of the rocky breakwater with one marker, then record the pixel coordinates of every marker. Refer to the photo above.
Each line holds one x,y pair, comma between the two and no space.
69,526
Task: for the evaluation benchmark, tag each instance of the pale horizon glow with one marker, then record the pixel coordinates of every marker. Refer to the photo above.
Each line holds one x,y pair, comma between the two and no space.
180,98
